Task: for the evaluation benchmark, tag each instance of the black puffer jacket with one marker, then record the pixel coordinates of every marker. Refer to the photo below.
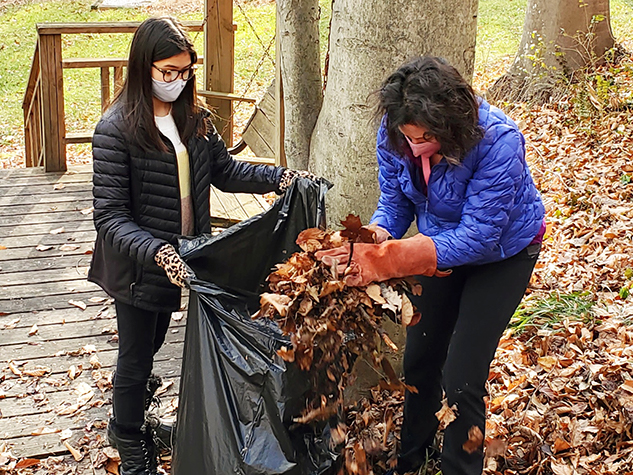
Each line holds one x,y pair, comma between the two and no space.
137,207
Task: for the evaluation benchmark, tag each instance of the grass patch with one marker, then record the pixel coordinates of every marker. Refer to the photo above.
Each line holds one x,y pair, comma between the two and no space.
499,29
544,312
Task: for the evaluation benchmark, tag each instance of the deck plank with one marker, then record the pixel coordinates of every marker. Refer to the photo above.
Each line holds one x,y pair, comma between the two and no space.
38,229
35,289
39,208
36,190
85,249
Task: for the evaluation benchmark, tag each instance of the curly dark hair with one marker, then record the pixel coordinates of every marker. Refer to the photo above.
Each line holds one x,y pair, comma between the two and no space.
430,93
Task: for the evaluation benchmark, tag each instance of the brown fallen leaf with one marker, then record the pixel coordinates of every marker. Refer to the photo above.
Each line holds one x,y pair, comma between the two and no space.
279,302
495,447
26,463
112,453
13,367
408,312
94,362
59,186
319,414
69,247
112,467
57,230
475,440
561,468
42,247
10,325
36,372
33,330
373,291
3,248
547,362
67,410
77,455
73,372
45,431
446,415
628,386
87,211
286,354
78,304
560,445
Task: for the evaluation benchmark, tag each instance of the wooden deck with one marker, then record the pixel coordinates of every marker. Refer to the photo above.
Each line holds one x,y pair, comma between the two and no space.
42,269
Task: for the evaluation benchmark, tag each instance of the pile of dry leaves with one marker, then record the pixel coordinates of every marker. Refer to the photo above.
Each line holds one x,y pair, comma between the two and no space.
579,149
330,325
561,401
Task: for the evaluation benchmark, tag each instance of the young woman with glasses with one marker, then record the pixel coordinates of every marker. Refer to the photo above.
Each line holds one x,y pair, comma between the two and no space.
156,154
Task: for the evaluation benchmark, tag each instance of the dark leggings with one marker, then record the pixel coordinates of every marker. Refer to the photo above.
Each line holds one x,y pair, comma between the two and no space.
463,317
141,334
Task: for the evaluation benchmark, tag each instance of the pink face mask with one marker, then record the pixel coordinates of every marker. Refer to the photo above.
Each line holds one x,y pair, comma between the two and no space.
425,149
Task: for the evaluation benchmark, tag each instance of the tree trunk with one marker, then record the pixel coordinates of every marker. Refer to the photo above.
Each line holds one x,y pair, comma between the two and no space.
559,37
369,40
298,27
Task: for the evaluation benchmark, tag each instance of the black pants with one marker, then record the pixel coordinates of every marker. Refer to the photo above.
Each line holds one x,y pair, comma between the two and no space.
141,334
463,317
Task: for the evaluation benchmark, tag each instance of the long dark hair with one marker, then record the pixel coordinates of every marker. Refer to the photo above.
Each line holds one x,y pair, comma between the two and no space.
157,39
431,93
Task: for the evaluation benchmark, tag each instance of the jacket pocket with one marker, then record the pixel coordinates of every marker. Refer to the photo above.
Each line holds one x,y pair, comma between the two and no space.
138,279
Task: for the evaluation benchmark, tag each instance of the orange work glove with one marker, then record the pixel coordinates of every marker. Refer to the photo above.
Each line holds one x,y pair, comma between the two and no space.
389,260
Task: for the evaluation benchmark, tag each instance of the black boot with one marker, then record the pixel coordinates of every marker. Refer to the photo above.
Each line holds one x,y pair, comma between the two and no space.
137,450
162,430
163,433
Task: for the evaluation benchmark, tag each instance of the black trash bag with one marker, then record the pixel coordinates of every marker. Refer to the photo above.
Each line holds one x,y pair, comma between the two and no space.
237,396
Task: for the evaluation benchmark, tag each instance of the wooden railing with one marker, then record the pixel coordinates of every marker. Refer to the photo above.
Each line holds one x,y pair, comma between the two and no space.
44,117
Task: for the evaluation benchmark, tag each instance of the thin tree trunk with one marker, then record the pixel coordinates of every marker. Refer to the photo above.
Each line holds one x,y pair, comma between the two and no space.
298,27
369,40
558,39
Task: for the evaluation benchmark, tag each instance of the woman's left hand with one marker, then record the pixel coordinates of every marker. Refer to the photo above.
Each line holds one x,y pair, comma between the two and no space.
177,271
289,176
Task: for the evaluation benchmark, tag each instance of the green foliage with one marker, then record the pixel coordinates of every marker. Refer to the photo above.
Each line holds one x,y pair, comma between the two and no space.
546,311
627,289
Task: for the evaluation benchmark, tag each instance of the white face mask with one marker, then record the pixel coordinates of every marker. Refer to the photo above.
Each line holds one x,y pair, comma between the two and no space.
167,91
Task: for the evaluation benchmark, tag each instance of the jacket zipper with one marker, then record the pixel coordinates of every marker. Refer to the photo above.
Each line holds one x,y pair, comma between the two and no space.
172,150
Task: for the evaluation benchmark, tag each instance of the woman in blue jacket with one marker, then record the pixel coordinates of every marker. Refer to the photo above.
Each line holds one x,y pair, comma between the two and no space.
456,165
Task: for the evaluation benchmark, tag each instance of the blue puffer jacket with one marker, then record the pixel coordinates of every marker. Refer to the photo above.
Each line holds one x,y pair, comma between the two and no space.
485,210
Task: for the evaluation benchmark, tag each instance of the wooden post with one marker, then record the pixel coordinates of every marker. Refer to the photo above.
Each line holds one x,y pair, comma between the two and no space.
118,79
280,121
219,62
52,89
105,88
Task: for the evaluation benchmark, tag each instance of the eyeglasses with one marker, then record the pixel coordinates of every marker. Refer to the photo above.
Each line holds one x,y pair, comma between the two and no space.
171,76
427,137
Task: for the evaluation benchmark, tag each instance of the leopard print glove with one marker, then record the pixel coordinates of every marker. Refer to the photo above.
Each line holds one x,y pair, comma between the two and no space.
177,271
288,176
